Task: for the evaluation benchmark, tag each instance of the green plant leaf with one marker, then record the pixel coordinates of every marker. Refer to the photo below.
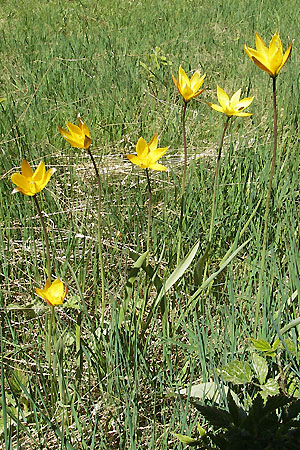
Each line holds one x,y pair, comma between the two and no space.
211,391
264,346
199,266
173,278
192,442
236,372
271,387
260,366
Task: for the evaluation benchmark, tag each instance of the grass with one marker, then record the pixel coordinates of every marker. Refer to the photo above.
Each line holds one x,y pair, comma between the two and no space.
116,386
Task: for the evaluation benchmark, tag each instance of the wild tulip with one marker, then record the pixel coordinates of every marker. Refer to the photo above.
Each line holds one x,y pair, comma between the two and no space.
188,88
270,59
148,154
54,293
231,107
30,183
77,136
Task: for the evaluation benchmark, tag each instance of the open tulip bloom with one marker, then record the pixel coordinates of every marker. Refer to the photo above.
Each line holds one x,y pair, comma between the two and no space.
77,136
233,106
30,183
270,59
148,154
188,88
54,293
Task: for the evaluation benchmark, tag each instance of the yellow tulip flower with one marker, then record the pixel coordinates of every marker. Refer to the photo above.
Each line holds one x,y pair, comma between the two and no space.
148,154
30,183
188,88
270,59
77,136
232,107
54,293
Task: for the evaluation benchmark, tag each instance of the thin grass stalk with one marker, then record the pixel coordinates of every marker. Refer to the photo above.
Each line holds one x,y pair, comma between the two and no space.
216,182
99,236
267,210
183,183
45,237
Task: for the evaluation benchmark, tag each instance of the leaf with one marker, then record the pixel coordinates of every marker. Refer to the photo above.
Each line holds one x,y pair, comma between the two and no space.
215,274
290,325
199,266
236,372
192,442
2,99
264,346
271,387
216,416
260,367
211,391
173,278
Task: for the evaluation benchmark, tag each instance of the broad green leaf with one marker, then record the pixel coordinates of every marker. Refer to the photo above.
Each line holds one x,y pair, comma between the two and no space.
211,391
260,367
264,346
271,387
236,372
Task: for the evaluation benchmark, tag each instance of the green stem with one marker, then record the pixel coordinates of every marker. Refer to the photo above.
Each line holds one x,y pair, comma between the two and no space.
99,235
45,237
266,218
182,183
149,213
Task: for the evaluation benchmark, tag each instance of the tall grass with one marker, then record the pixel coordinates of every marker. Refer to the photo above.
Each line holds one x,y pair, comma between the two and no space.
117,383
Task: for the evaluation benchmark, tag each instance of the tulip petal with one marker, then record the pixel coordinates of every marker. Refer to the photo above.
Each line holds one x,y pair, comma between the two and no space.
84,128
26,169
244,103
157,166
134,159
235,98
275,46
286,55
260,45
222,98
158,153
141,148
175,81
242,114
21,182
216,107
153,142
183,79
74,129
263,67
39,172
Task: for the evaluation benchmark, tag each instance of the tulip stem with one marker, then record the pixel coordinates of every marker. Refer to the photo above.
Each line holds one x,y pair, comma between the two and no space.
183,182
184,147
149,212
267,210
99,235
45,237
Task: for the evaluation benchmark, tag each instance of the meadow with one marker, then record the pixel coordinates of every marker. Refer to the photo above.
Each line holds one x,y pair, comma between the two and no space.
131,348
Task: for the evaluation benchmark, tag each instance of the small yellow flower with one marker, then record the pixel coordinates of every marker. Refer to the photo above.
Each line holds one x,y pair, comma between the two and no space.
148,154
30,183
54,293
270,59
232,107
77,136
188,88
